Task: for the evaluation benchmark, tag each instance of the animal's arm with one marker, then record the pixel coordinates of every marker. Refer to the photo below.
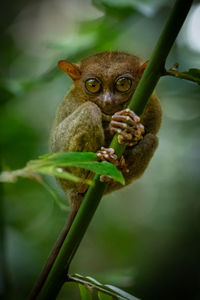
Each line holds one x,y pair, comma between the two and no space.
81,131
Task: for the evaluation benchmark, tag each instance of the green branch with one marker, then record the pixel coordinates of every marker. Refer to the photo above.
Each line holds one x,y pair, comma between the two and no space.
94,194
191,75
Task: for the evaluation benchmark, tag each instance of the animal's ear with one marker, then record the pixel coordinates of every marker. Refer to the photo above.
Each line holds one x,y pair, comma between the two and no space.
142,69
71,69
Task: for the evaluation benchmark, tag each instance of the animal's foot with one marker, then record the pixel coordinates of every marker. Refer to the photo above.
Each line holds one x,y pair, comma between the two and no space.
108,154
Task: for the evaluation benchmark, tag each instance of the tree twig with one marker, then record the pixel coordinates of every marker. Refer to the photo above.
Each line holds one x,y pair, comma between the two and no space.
192,75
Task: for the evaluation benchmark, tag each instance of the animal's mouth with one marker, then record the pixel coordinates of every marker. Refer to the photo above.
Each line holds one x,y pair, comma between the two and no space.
106,117
109,110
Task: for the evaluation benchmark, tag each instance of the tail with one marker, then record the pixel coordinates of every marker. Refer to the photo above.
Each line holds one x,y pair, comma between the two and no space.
52,257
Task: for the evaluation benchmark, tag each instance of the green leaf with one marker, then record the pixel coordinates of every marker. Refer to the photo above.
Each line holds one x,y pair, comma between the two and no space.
85,293
56,197
120,292
103,296
12,177
193,74
59,172
67,158
105,292
53,164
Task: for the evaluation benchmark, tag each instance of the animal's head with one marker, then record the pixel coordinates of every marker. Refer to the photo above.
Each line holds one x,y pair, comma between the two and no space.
108,79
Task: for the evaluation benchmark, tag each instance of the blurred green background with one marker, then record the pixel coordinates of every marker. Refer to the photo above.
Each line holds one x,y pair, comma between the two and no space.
144,238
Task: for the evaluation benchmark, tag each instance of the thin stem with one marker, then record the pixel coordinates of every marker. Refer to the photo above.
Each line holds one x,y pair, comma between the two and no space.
182,75
71,243
144,90
50,261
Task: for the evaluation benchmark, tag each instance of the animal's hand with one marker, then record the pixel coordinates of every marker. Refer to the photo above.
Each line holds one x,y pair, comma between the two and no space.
108,154
127,124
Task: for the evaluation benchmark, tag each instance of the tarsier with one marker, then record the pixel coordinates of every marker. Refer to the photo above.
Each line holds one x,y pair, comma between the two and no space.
89,116
95,109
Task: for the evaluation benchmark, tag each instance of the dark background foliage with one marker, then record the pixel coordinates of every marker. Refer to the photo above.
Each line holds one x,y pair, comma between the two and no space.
144,238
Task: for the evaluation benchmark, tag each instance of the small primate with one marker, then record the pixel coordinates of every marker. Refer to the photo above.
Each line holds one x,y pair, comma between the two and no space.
92,112
96,108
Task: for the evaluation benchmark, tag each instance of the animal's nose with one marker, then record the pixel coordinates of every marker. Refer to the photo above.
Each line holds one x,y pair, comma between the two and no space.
107,97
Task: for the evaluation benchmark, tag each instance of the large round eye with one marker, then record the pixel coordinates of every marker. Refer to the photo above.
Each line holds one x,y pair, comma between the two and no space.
123,84
93,85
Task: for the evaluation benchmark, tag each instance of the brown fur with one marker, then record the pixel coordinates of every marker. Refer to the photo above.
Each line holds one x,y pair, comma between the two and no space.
83,118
